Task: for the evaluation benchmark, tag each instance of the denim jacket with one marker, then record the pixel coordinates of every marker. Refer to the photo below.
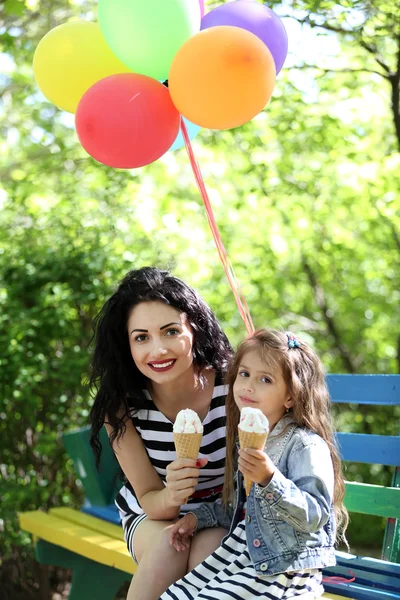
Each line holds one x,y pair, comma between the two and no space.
290,523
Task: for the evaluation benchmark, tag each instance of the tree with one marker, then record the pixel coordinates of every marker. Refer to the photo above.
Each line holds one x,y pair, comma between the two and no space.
305,195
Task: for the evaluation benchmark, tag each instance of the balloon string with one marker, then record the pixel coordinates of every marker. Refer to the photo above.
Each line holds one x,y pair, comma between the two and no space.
228,268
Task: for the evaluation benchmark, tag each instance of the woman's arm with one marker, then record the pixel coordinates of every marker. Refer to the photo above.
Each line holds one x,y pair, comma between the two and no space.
159,502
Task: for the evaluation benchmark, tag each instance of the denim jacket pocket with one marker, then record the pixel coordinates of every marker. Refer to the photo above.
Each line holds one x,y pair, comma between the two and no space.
283,535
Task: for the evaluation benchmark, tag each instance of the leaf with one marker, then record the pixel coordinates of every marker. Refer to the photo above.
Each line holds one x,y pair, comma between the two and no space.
14,8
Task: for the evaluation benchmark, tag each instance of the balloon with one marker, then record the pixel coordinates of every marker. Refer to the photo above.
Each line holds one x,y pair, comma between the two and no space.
201,2
70,59
127,121
222,77
146,34
192,130
257,18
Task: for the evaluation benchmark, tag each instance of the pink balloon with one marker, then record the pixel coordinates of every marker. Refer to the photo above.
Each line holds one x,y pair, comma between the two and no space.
202,11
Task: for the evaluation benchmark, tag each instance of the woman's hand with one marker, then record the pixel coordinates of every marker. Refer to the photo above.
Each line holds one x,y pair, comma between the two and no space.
256,465
182,477
179,533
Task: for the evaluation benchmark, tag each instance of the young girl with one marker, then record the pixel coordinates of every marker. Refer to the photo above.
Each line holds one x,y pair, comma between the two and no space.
281,538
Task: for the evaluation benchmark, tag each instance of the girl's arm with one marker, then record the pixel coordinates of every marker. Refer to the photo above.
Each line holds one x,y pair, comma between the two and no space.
159,502
304,498
212,514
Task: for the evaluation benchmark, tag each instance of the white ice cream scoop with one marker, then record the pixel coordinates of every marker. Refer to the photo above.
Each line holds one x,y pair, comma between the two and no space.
187,421
253,420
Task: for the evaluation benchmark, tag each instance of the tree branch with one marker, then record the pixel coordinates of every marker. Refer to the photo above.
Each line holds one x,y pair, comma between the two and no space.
395,83
308,21
395,233
329,321
345,70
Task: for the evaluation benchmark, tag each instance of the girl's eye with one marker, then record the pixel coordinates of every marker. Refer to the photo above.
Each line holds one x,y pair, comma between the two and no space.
243,374
266,380
141,338
172,331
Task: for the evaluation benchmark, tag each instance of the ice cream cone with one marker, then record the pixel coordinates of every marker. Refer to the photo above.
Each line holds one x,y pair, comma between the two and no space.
187,445
256,441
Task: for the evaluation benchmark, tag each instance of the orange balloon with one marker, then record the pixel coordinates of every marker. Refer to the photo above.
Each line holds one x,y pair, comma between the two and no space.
222,77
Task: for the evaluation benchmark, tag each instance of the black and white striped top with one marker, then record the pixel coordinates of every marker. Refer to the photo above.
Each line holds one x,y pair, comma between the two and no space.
156,432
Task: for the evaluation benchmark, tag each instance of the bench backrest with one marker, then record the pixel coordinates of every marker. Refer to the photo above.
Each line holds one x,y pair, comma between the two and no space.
378,390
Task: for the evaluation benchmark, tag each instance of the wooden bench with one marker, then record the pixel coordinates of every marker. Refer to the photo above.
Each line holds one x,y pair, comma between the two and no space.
91,543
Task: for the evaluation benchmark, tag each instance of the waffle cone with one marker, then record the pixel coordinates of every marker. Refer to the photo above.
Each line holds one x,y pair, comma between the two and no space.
187,445
255,441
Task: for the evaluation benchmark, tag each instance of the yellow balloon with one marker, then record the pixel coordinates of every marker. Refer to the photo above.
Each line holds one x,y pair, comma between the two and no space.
70,59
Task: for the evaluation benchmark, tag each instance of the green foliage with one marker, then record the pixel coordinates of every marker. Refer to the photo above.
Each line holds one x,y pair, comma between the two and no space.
306,198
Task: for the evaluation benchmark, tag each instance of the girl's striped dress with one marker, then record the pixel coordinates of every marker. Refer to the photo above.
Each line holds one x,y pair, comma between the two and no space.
228,574
156,432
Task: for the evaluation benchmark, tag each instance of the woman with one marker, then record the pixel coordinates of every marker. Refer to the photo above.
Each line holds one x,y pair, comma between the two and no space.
159,349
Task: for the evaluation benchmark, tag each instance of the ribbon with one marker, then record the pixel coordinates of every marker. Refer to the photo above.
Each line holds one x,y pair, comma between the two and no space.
228,268
339,579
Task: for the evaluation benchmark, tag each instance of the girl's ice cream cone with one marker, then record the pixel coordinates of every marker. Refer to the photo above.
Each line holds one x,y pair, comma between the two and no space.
253,433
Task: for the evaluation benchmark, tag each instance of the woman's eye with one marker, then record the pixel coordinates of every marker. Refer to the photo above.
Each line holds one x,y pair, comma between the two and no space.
172,331
140,338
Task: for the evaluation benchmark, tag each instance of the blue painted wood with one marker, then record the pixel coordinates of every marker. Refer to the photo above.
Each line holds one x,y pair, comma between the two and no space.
106,513
371,449
374,565
363,577
375,579
365,389
360,592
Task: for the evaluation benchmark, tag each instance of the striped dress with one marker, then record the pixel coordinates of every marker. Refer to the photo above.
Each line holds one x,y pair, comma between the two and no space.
155,429
229,574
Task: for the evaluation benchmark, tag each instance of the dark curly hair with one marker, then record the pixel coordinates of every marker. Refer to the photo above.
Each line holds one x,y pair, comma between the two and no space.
115,381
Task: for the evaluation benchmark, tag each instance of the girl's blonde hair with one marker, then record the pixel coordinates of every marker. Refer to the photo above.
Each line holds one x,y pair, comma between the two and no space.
304,376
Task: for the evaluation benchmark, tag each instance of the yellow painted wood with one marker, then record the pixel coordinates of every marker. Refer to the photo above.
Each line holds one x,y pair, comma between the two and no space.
90,543
80,518
334,597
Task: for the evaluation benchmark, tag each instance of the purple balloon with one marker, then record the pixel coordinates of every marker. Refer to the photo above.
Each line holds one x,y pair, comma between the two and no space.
256,18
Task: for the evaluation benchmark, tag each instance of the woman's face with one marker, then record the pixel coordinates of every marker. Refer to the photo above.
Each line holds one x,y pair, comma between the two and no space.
161,341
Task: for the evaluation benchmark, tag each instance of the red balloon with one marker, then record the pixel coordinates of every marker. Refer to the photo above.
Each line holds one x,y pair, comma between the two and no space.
127,120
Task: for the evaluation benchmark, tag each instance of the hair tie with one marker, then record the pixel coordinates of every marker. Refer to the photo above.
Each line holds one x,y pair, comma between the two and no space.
292,341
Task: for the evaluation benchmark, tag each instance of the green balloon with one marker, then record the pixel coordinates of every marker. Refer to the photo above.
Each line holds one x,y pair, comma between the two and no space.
146,34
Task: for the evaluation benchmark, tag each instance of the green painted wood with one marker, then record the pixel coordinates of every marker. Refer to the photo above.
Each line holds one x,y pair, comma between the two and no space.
391,542
89,579
372,500
101,486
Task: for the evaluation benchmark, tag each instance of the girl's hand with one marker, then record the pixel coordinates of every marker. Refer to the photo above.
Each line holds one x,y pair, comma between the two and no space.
182,477
256,465
179,533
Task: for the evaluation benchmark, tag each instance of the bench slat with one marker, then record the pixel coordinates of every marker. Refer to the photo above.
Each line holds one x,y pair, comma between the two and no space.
373,579
81,540
108,513
367,563
360,592
372,499
90,522
371,449
365,389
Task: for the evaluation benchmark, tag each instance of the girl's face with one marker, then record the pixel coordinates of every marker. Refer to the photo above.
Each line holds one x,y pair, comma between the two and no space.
261,386
161,341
